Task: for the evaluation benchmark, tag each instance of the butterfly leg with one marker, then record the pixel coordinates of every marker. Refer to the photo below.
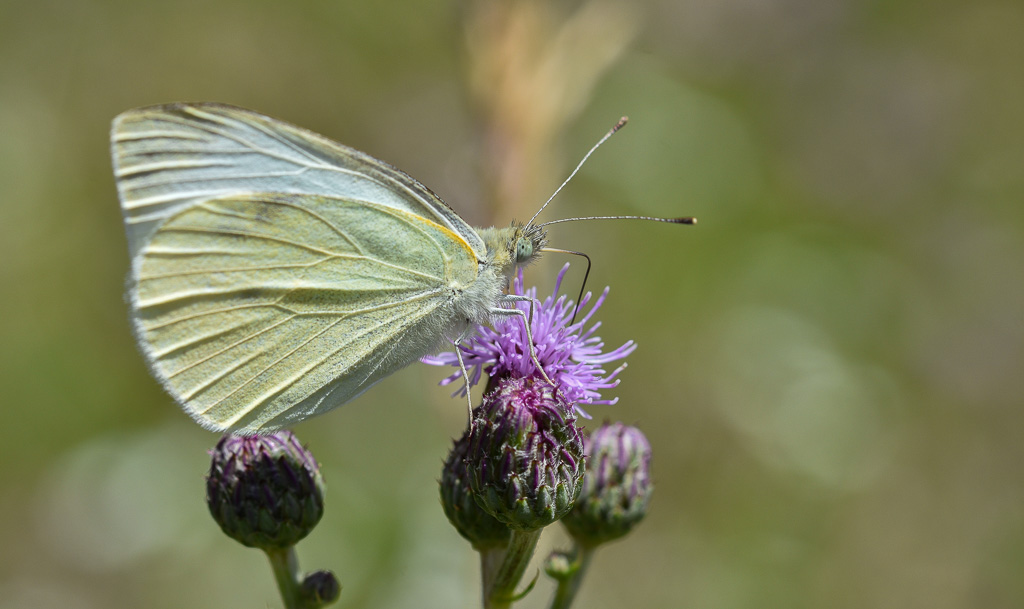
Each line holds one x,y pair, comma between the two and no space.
465,377
527,322
518,298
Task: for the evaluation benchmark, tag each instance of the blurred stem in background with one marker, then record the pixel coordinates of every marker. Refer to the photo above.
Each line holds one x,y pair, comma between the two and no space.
531,68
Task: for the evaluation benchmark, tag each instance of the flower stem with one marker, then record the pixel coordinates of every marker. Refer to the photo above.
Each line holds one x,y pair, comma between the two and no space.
286,572
567,588
501,591
490,562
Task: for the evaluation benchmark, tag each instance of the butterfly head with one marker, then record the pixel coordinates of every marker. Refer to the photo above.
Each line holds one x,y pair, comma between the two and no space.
526,243
513,247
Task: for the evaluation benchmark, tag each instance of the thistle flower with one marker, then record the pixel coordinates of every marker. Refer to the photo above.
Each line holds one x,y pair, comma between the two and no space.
569,352
525,454
616,488
264,491
469,519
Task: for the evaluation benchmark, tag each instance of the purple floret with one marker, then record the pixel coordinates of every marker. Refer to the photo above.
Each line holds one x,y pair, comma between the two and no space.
570,354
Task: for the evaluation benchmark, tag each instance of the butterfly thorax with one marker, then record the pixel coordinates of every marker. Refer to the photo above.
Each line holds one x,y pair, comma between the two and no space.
508,249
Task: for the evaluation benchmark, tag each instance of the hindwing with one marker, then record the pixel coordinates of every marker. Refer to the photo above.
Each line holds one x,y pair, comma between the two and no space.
256,311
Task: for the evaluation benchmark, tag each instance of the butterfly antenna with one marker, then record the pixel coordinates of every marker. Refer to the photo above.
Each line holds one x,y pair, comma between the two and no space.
619,125
683,220
579,299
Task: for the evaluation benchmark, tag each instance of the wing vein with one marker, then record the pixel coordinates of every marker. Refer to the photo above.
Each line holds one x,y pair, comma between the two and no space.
237,343
134,169
194,316
242,233
221,375
139,182
253,377
131,136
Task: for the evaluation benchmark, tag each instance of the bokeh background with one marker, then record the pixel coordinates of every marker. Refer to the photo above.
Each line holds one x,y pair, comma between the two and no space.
830,365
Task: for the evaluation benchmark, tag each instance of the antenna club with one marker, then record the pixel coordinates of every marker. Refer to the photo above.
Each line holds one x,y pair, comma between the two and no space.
687,220
622,123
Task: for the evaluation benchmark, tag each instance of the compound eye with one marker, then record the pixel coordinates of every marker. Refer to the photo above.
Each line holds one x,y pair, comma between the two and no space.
524,249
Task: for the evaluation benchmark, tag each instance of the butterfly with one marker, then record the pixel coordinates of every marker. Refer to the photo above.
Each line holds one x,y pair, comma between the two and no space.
276,274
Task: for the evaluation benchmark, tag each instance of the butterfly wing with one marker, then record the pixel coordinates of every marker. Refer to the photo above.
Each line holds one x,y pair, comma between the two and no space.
169,157
258,311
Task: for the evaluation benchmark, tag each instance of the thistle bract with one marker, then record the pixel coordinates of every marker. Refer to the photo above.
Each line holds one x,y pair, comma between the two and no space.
469,519
616,488
525,454
264,491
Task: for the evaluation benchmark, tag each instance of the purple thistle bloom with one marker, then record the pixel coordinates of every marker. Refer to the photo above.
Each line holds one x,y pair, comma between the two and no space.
570,354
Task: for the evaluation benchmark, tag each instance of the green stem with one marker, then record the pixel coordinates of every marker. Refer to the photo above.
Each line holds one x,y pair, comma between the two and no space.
568,587
490,562
286,572
500,593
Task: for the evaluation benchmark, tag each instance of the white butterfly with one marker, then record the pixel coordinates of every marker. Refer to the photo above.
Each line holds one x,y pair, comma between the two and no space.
277,274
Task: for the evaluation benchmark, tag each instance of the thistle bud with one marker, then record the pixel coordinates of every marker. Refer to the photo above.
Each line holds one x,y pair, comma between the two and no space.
559,566
616,488
525,454
321,588
264,491
469,519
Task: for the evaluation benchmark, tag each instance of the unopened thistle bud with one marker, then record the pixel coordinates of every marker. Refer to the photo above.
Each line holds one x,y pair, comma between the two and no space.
616,488
481,529
264,491
320,588
559,566
525,454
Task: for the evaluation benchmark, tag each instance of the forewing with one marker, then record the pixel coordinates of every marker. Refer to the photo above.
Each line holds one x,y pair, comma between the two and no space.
167,158
258,311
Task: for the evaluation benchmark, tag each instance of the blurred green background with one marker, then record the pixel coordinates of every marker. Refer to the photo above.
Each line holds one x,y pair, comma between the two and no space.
829,364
